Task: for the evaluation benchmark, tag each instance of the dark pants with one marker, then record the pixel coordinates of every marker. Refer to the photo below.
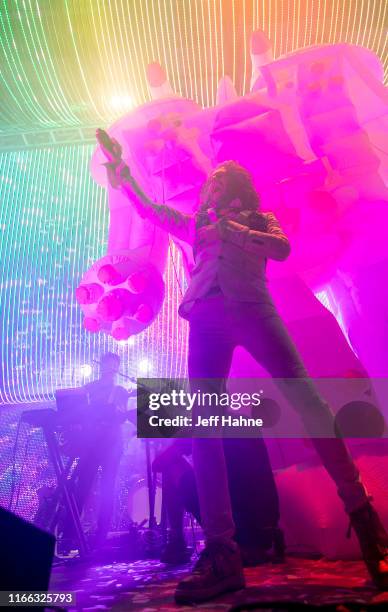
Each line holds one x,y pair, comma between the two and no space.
217,326
253,493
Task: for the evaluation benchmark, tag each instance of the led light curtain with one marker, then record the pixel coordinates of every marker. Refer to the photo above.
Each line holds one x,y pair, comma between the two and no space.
82,62
53,223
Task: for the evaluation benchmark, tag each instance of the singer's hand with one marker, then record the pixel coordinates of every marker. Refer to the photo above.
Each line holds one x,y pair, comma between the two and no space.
228,224
109,146
217,231
233,232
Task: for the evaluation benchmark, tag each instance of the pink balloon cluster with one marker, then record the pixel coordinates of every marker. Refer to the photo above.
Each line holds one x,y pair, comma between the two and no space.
120,295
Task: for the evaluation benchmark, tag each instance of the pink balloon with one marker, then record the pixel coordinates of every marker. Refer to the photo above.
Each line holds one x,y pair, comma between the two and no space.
88,294
138,281
144,313
92,325
109,275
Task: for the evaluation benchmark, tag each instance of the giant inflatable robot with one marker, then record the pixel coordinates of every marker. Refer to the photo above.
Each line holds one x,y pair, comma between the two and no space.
311,131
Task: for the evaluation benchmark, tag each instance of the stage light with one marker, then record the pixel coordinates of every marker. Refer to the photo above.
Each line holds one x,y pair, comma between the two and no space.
121,102
86,370
144,366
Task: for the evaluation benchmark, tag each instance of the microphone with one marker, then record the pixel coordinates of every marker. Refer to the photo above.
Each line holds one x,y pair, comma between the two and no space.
212,215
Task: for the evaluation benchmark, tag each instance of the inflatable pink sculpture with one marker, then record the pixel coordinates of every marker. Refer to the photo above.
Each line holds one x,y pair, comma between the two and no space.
311,131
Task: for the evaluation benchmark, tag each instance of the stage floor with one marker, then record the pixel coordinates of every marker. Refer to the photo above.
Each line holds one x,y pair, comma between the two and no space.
149,586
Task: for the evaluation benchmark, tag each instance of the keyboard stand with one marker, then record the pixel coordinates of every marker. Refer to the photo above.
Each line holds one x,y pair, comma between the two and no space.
47,419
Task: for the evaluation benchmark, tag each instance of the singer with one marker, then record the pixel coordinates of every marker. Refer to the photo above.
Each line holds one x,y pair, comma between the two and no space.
228,304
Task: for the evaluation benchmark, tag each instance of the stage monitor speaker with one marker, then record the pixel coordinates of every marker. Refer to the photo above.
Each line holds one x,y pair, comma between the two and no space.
26,555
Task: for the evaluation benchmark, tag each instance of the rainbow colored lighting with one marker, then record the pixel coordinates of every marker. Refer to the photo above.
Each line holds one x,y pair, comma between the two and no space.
53,223
83,62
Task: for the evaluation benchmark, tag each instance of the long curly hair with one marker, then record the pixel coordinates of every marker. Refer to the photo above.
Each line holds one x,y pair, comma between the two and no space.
239,185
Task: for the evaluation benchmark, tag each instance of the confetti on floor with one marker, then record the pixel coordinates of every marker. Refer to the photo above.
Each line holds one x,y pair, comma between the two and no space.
148,585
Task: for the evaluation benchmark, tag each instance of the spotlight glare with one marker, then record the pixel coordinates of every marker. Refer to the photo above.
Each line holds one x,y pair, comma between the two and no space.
121,102
86,370
144,366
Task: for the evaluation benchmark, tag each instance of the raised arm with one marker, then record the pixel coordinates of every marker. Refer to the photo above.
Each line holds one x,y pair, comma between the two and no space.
176,223
273,243
167,218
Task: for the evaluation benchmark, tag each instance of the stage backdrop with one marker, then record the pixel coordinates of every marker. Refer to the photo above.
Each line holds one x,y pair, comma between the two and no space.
82,62
72,65
53,222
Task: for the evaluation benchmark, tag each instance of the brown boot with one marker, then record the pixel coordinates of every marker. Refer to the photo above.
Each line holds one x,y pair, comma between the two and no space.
218,570
373,540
